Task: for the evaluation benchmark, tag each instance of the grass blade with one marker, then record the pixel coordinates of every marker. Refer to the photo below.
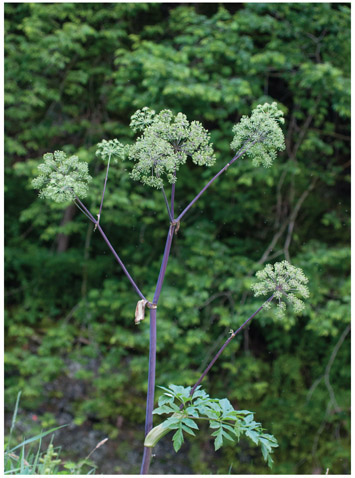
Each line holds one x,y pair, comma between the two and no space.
34,465
13,420
37,437
15,412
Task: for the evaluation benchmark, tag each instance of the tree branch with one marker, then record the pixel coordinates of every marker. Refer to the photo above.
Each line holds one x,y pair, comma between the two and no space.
293,217
326,375
288,221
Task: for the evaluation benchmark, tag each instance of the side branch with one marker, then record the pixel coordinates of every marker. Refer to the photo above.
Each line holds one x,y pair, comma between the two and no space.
173,197
207,369
238,155
117,257
167,204
104,189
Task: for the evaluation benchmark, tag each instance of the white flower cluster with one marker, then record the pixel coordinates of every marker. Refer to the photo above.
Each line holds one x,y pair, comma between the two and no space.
110,149
284,281
260,135
62,178
166,142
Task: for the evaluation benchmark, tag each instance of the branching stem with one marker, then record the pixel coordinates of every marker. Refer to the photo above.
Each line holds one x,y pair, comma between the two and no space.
167,204
88,213
238,155
152,345
209,366
117,257
85,214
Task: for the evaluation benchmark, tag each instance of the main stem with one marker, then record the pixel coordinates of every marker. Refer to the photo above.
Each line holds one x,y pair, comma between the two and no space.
153,349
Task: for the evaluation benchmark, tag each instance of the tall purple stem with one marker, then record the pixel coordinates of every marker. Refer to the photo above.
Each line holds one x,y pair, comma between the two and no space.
153,349
147,453
209,366
238,155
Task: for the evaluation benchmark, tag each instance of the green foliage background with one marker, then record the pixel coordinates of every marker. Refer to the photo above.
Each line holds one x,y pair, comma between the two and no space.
74,75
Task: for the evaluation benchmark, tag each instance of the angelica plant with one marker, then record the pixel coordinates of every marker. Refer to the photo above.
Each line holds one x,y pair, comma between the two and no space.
164,144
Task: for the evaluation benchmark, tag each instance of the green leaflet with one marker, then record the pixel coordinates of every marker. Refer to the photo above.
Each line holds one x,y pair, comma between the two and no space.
227,422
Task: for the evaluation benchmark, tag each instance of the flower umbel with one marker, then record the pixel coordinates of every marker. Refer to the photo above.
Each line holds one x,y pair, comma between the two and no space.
62,178
110,149
166,142
260,134
141,119
284,281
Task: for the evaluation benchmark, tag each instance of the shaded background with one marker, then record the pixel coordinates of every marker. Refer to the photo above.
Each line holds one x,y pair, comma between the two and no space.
74,75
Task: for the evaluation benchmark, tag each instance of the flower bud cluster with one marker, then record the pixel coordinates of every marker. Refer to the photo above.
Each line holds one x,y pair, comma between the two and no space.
141,119
110,149
62,178
166,142
260,134
284,281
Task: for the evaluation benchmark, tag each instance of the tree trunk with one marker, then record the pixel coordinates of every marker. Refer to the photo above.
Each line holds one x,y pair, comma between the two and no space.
63,239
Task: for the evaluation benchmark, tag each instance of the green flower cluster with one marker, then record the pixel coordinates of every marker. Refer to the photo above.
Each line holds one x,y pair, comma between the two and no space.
260,134
62,178
166,142
110,149
141,119
284,281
